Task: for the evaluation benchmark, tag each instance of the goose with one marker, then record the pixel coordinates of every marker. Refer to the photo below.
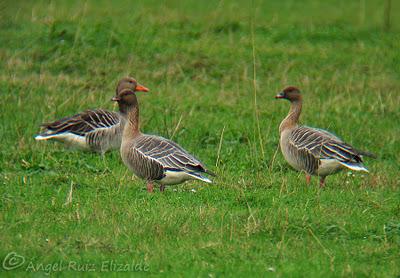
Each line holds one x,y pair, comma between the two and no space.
312,150
154,158
95,130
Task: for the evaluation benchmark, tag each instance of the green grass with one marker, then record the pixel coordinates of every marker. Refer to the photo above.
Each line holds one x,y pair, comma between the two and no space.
201,60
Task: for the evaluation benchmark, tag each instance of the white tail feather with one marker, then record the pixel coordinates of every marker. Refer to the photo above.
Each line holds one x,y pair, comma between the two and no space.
201,178
42,137
355,167
67,138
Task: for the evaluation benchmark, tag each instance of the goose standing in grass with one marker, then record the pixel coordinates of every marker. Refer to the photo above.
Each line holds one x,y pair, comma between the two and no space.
312,150
94,130
154,158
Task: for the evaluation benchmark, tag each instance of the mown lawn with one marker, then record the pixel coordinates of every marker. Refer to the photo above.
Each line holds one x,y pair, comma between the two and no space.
213,69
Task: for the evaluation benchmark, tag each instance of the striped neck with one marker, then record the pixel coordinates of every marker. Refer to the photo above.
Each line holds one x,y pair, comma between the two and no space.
130,111
293,116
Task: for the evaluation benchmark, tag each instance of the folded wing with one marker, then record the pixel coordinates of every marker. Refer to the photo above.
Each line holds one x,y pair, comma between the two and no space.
169,154
83,123
323,145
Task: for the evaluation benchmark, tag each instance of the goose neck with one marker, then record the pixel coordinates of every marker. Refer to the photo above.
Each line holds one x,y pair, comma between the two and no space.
293,116
130,113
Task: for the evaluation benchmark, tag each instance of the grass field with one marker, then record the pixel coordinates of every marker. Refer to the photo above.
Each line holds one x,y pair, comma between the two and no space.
213,69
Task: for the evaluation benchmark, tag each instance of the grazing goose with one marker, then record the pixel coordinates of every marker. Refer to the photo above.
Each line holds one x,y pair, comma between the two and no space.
312,150
154,158
95,130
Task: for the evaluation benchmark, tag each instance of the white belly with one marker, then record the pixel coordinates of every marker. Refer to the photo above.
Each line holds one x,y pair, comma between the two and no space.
69,139
175,177
329,166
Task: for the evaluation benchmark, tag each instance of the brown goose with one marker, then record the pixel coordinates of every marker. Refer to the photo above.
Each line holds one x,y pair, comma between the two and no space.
95,130
312,150
154,158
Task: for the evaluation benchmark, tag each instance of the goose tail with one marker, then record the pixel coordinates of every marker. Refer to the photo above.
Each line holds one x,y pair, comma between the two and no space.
355,166
211,173
200,177
367,154
43,136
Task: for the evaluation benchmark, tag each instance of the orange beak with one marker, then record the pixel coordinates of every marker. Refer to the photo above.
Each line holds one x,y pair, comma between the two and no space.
140,88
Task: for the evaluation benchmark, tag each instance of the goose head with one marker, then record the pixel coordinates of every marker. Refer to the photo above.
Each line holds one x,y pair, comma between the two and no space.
128,83
290,93
126,89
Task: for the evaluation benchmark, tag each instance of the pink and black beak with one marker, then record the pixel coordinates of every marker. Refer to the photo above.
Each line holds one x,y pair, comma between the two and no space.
280,95
115,98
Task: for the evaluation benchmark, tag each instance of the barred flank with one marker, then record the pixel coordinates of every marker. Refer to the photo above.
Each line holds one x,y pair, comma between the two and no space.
308,146
149,156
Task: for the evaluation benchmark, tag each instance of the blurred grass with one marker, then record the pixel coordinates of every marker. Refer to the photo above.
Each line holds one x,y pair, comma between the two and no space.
61,57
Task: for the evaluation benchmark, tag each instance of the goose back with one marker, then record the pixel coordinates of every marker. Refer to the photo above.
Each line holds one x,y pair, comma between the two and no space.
156,158
317,151
97,130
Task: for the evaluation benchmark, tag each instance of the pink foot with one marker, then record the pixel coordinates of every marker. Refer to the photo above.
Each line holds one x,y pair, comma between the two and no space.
308,178
322,182
150,187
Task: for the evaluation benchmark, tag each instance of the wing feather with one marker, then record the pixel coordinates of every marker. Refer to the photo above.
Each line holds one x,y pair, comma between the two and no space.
169,154
323,145
84,122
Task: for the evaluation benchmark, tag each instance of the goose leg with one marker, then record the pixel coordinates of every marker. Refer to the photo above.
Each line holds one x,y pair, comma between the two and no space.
103,157
162,188
149,187
322,182
308,178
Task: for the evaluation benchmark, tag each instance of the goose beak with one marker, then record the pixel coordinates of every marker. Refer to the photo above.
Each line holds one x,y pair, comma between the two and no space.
280,95
140,88
116,99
